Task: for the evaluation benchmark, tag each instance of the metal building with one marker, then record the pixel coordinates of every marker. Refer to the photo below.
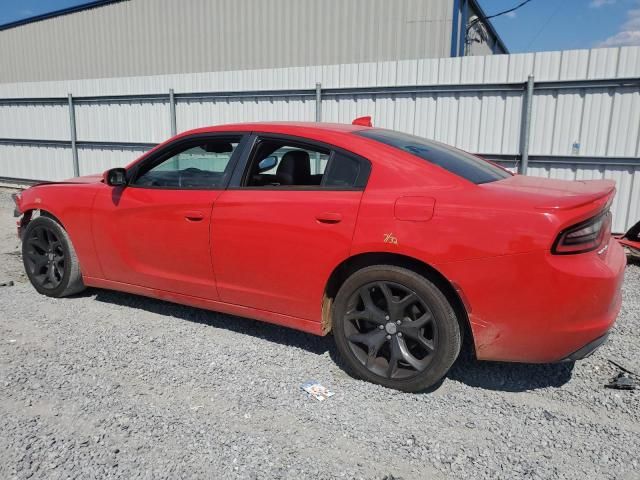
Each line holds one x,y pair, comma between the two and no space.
122,38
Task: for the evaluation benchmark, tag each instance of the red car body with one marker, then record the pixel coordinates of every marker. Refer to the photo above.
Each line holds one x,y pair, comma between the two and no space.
270,254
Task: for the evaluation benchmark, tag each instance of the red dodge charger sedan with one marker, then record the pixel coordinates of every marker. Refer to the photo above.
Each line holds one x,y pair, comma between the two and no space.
399,246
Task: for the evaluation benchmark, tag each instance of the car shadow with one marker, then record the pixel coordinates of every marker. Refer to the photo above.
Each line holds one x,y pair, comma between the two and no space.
510,377
266,331
633,261
499,376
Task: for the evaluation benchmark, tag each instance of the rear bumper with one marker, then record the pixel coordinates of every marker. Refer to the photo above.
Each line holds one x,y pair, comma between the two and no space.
537,307
587,350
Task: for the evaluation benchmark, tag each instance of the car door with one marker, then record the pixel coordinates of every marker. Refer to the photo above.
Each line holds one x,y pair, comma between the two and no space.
278,231
154,232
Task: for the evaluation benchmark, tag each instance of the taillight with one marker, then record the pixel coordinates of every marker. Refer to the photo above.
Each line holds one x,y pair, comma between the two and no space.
585,236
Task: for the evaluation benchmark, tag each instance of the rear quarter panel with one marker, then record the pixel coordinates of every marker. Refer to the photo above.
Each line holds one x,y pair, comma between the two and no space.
442,218
495,247
486,243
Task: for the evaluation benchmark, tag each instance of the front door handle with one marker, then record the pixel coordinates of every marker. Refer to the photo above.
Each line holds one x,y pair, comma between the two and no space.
193,216
329,217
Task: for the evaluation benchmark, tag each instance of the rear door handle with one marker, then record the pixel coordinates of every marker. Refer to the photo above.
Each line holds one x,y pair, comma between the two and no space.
329,217
193,216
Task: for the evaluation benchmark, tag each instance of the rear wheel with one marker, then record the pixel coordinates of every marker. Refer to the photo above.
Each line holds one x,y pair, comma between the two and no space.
396,328
49,258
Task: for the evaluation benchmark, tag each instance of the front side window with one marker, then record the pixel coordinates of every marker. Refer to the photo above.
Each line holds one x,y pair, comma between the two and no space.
198,164
456,161
281,163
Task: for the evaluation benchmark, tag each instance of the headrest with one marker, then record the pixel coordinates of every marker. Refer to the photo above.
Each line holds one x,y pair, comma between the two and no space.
294,168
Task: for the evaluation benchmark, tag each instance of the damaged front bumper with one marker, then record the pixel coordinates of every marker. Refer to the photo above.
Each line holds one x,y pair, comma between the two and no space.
23,218
16,201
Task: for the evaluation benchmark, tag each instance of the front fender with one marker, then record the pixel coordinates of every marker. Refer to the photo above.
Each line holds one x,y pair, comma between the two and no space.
71,205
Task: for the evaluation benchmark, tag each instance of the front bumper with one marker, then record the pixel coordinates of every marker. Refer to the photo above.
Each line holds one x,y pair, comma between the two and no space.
16,210
537,307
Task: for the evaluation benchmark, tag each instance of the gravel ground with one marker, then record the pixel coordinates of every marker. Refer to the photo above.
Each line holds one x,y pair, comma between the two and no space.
113,385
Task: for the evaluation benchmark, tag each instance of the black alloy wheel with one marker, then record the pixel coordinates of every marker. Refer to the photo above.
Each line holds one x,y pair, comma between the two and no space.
395,327
390,330
50,261
44,257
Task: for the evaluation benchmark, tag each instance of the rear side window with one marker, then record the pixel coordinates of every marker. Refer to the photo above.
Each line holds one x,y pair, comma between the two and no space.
344,171
285,163
460,163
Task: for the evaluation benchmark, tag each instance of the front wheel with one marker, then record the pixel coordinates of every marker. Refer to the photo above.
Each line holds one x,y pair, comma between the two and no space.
49,258
395,328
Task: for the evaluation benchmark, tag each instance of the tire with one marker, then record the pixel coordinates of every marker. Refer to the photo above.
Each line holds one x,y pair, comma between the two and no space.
49,258
395,328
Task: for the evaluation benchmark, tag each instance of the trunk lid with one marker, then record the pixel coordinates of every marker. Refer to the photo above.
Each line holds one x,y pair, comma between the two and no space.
552,194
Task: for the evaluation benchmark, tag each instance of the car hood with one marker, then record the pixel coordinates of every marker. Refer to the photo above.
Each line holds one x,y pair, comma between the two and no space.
95,178
552,194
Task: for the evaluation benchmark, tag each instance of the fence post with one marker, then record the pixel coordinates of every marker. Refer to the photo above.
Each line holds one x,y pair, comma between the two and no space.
172,112
526,127
318,119
72,130
318,102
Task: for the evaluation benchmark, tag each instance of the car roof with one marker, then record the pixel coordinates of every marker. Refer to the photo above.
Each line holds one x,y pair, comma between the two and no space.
281,127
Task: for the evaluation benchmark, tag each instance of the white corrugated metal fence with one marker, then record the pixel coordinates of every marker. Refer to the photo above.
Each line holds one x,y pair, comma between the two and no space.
585,117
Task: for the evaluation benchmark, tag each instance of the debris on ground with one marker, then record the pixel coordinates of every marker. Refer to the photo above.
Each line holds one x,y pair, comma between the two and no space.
622,381
624,369
316,390
625,380
7,284
630,241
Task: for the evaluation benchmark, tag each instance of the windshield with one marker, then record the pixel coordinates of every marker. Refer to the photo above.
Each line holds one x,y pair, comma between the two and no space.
456,161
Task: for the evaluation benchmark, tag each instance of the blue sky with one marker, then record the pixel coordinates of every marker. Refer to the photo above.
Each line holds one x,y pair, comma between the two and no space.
566,24
539,25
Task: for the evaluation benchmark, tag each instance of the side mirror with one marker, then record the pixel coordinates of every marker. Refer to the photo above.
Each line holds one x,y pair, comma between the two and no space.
267,163
115,177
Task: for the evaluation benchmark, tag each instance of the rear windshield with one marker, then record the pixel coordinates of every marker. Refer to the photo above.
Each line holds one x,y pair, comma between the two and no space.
463,164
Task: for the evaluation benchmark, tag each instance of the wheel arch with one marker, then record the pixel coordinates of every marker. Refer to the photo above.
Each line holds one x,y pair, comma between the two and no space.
28,215
48,214
356,262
